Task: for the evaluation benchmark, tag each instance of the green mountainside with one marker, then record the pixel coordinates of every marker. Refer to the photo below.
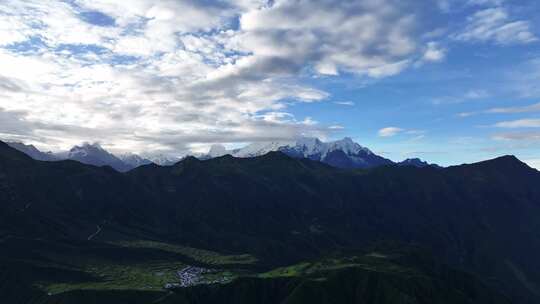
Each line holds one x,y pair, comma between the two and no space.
269,228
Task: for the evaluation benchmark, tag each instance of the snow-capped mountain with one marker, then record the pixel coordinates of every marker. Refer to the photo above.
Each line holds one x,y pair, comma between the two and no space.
343,153
416,162
258,149
133,160
163,160
94,154
33,152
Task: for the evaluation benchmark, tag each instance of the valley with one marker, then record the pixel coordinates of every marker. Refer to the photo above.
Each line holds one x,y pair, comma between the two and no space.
243,229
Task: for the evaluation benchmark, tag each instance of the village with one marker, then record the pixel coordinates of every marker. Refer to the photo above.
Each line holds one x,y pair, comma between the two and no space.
192,276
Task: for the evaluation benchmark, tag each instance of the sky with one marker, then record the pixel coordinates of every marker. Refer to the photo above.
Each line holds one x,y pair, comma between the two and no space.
449,81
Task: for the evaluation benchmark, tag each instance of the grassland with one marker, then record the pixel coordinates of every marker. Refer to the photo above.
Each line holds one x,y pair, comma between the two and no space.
137,265
200,255
370,262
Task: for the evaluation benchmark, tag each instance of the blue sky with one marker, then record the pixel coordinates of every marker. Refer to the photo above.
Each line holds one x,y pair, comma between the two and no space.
449,81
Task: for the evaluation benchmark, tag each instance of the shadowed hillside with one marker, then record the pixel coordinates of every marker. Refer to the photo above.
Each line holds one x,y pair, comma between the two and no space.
482,219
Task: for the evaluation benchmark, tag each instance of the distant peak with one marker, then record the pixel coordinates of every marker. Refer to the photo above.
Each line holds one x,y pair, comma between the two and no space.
502,162
87,145
416,162
508,158
347,140
225,157
190,159
217,150
275,155
504,159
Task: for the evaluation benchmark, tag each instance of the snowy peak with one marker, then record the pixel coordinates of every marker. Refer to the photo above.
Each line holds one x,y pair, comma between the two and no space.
217,151
133,160
87,149
309,146
258,149
163,160
344,153
348,146
91,154
314,146
94,154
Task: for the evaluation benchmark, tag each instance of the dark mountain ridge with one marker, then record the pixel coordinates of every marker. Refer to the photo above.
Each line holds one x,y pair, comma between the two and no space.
482,218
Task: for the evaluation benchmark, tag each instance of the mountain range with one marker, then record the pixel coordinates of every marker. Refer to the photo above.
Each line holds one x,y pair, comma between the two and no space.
91,154
268,229
343,153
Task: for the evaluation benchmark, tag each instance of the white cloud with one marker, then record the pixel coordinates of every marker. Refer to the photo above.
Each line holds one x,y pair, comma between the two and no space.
476,94
162,16
527,137
390,131
467,96
495,25
345,103
12,30
172,74
466,114
504,110
485,2
434,53
525,109
362,37
520,123
534,163
386,70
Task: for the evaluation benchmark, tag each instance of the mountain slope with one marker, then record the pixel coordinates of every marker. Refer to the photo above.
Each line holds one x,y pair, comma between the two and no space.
133,160
341,154
385,276
32,151
416,162
94,154
482,218
91,154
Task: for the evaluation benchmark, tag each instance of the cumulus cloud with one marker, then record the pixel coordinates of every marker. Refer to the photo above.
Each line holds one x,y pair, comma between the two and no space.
364,37
434,52
168,75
